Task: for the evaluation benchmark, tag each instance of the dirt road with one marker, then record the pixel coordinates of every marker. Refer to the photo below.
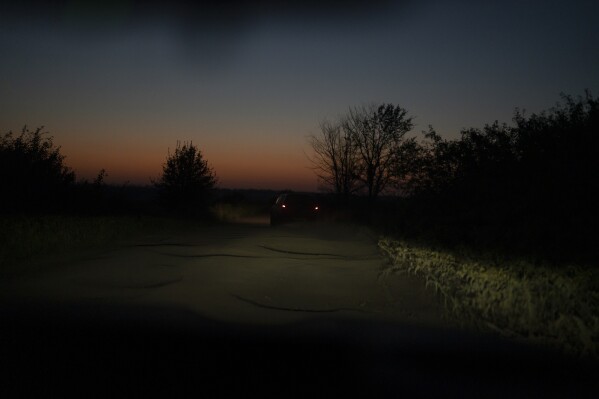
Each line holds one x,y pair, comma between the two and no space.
248,273
300,309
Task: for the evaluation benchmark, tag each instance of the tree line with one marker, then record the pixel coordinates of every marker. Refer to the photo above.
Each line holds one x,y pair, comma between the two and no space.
35,179
527,188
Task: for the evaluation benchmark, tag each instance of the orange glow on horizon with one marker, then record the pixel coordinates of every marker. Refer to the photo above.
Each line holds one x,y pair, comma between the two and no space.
247,165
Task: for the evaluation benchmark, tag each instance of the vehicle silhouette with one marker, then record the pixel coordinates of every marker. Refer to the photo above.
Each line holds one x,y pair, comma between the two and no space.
292,207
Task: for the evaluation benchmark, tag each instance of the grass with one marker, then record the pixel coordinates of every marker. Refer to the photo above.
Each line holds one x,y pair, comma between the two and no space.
552,306
24,239
232,212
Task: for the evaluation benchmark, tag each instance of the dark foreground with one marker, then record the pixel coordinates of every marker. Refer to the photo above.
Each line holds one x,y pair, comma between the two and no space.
108,351
246,310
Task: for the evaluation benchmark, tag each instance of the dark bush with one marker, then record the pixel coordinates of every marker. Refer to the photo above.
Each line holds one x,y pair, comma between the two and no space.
33,175
187,181
530,188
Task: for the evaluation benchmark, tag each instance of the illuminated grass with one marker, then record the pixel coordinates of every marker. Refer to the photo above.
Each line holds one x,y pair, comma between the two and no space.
555,306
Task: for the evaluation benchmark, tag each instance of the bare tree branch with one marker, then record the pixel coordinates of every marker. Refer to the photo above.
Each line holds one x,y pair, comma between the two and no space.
334,158
377,132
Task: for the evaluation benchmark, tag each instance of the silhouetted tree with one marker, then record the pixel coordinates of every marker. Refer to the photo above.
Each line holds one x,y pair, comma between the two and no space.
408,166
186,179
335,159
377,132
33,175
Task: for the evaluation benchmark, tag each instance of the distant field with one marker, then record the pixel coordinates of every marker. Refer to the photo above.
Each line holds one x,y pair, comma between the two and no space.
231,212
552,306
25,238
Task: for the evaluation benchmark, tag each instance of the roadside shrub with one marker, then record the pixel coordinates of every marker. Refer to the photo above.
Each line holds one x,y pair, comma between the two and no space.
33,175
186,181
529,188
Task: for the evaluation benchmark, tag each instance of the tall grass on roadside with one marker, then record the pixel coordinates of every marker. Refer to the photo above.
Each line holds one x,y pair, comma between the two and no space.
23,238
559,307
226,212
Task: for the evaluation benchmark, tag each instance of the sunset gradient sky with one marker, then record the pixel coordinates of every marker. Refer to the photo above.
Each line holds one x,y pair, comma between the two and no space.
118,83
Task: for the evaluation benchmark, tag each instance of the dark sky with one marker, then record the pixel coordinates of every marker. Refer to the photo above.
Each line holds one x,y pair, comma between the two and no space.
118,83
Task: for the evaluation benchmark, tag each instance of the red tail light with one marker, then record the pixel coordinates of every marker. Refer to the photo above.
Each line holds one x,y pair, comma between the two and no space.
283,206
